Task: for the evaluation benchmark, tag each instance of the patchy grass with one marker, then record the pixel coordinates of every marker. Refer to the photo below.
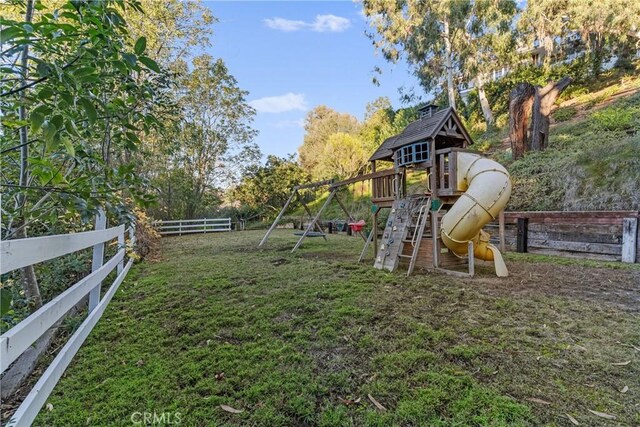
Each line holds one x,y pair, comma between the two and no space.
303,339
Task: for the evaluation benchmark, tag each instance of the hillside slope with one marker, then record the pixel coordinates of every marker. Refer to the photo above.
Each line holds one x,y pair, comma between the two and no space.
592,163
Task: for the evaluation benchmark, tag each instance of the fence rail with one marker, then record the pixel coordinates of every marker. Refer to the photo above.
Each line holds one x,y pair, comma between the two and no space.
186,226
13,343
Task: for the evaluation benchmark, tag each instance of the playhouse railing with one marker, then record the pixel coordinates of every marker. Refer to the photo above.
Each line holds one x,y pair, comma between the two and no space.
383,186
25,252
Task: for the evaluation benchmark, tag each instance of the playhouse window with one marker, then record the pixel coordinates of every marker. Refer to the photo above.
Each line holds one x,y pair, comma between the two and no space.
414,153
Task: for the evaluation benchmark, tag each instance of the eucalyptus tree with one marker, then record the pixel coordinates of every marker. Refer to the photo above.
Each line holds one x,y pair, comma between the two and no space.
444,41
604,26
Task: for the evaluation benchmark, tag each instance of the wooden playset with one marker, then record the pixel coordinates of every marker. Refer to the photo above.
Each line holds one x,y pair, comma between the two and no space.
440,228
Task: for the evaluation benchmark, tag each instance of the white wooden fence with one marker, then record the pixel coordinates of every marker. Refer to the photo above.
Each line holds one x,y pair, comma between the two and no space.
186,226
24,252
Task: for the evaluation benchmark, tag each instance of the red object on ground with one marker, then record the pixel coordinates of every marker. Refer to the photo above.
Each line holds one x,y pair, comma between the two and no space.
357,227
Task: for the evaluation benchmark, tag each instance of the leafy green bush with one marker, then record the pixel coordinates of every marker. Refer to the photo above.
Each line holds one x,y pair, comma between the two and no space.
563,114
613,119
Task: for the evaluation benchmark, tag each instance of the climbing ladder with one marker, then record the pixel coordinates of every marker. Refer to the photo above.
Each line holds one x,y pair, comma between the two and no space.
406,225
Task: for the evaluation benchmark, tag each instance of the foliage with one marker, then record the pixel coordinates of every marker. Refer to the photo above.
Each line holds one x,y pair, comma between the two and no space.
210,146
70,128
265,189
344,156
147,238
563,114
297,339
604,25
615,119
320,123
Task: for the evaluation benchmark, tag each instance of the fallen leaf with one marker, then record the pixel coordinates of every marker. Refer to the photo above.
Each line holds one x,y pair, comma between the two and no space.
536,400
219,376
49,407
624,389
230,409
376,403
579,347
573,420
140,362
603,415
621,363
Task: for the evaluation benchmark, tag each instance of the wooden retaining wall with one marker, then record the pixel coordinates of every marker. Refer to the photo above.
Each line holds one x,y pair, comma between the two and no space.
600,235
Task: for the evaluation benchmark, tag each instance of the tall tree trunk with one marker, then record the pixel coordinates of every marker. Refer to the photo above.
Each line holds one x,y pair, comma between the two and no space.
484,102
29,280
544,99
451,92
520,102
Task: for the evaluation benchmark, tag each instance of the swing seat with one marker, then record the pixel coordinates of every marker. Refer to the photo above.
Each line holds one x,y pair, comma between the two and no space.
310,234
357,227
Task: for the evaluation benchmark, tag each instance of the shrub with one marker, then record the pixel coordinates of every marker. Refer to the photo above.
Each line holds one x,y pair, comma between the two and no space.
613,119
563,114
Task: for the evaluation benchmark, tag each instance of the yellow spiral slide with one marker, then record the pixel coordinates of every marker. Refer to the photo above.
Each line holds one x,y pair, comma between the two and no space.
487,187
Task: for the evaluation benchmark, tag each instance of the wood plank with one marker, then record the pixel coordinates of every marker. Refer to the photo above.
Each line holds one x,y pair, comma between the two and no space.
363,177
38,395
594,248
33,250
176,221
629,239
20,337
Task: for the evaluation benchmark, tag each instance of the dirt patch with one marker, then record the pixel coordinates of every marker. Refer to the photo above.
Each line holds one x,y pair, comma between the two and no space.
618,288
280,261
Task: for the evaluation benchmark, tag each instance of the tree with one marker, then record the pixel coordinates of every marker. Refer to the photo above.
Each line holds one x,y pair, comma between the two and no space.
213,141
265,189
443,41
378,123
490,43
527,101
603,25
70,104
344,156
320,124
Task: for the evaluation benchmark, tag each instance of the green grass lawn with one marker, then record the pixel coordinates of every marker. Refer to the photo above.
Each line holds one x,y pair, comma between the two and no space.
304,339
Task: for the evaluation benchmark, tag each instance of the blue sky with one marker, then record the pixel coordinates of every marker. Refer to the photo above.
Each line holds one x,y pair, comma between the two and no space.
294,55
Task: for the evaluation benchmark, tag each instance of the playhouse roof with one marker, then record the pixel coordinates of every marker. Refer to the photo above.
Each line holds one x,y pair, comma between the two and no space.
422,129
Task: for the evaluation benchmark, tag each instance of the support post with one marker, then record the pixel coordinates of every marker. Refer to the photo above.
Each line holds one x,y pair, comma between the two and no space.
98,259
121,245
523,231
375,236
275,223
503,246
472,264
629,239
313,221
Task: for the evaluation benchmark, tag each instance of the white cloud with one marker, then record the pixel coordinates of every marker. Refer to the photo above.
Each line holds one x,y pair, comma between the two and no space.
286,25
322,24
280,104
289,124
330,23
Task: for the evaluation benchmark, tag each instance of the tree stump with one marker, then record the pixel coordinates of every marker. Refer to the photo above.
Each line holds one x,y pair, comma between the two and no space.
525,101
520,103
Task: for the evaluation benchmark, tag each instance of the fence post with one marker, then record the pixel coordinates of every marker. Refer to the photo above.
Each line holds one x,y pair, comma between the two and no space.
132,236
180,228
98,259
629,239
503,246
205,226
121,245
523,231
